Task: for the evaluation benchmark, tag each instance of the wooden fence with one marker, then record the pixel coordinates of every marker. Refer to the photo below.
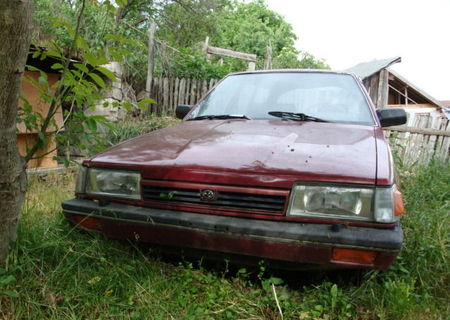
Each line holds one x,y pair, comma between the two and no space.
170,92
428,137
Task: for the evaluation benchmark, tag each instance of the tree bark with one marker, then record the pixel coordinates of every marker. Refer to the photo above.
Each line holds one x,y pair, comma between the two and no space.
15,36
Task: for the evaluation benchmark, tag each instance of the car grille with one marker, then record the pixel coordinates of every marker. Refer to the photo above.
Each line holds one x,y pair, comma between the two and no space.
264,202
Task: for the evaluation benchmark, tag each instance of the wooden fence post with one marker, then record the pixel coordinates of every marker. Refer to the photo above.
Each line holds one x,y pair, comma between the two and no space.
150,61
268,58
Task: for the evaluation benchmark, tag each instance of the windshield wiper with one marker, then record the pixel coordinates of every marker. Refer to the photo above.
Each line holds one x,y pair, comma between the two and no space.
295,116
220,116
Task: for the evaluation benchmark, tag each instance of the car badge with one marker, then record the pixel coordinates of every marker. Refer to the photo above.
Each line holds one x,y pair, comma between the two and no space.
208,195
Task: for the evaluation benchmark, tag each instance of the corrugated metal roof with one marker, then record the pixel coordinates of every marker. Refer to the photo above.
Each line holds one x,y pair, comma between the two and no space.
366,69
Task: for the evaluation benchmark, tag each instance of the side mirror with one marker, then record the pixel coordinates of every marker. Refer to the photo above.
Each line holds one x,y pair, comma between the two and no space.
391,116
182,110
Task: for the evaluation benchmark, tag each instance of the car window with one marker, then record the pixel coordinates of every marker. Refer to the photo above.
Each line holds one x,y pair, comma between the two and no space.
332,97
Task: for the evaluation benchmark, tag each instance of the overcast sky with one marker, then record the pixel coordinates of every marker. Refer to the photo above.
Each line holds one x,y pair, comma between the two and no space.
346,32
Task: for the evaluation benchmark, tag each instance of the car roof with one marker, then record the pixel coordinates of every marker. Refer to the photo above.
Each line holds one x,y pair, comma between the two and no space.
294,71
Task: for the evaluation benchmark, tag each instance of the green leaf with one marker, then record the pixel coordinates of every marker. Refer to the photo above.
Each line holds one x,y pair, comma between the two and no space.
98,80
127,105
143,103
148,100
276,281
11,294
81,67
92,124
7,280
57,66
42,141
42,80
91,59
53,53
109,125
334,291
117,56
31,68
107,73
82,43
62,24
121,3
66,162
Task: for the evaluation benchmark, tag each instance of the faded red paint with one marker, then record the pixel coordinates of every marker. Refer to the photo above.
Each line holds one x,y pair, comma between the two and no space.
291,252
260,157
256,153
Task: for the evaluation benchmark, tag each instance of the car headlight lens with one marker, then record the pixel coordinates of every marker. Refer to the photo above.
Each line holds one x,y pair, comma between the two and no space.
384,205
331,202
80,185
343,202
110,183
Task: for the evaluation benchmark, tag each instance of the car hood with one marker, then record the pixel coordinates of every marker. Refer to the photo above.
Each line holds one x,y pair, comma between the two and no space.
271,153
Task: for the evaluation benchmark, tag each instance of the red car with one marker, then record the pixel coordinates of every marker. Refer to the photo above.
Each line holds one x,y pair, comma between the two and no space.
286,165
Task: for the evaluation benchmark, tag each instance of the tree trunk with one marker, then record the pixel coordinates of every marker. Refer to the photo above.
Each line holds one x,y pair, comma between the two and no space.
15,34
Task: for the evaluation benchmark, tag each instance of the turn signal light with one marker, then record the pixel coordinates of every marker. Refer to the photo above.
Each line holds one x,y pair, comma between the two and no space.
354,256
398,203
87,222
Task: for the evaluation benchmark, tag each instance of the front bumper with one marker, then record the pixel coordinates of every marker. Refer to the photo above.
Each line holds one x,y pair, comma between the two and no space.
286,241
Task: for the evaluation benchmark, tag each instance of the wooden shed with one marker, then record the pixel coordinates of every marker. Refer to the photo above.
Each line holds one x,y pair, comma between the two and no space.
26,138
387,88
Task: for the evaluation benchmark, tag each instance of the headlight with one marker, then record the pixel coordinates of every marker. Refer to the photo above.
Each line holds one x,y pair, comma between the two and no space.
385,208
80,185
343,202
110,183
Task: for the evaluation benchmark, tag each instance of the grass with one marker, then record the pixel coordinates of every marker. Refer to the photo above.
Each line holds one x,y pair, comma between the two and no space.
56,272
130,127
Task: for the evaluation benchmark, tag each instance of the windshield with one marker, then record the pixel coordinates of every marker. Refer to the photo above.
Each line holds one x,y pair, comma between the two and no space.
327,96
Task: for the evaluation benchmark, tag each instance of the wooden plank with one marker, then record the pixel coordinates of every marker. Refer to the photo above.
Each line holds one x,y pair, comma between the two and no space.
204,88
171,95
419,105
415,141
366,83
155,94
445,148
199,90
268,58
383,89
436,132
181,91
231,53
166,105
176,92
212,83
374,80
192,93
432,139
445,144
187,91
150,62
